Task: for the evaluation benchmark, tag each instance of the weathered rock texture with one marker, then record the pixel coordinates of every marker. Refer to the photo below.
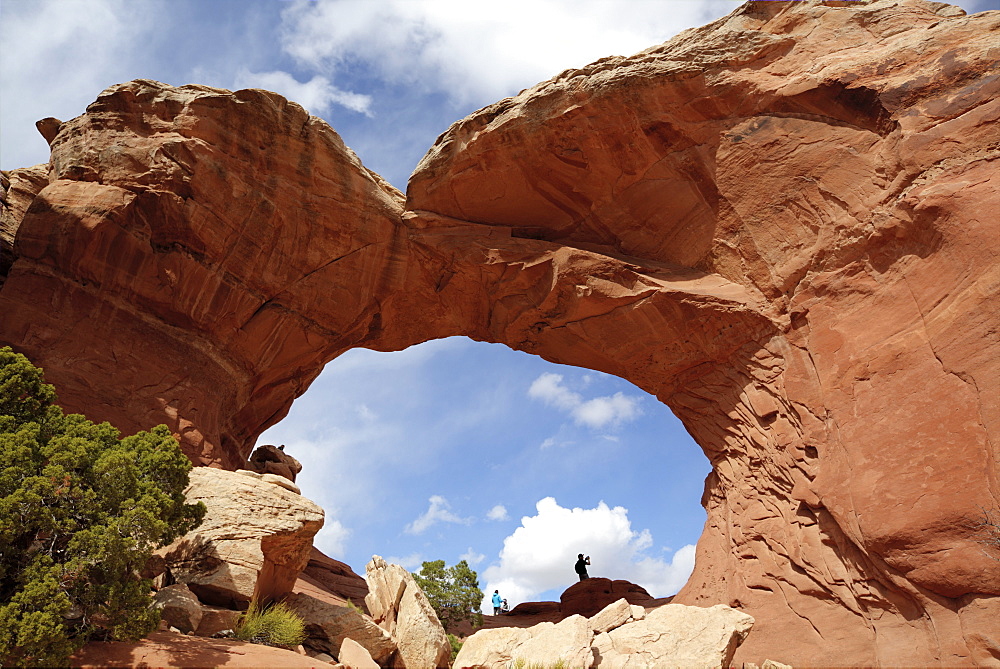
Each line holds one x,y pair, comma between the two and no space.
334,577
328,624
779,224
179,607
589,596
674,636
268,459
400,607
669,636
254,541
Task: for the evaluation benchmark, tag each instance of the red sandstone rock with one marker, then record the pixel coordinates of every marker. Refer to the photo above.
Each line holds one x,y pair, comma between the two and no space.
164,649
777,223
196,234
335,578
19,188
268,459
590,596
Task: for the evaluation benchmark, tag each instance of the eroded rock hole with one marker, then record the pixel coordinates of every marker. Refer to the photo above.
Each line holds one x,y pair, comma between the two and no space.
455,449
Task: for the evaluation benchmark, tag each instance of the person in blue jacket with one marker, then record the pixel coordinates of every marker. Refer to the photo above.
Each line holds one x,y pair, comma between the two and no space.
497,602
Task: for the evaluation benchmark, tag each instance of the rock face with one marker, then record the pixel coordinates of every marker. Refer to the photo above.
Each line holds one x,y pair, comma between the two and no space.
675,636
255,539
335,577
190,231
589,596
669,636
775,223
328,624
400,607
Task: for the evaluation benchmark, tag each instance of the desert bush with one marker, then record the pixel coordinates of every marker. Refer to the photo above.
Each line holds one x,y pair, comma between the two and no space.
276,625
81,511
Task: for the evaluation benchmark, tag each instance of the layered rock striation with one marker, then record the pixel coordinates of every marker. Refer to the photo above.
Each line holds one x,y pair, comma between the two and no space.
777,223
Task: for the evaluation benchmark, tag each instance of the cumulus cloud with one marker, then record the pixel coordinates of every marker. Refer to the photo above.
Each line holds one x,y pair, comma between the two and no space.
498,512
472,52
472,557
599,412
57,56
317,95
439,511
540,554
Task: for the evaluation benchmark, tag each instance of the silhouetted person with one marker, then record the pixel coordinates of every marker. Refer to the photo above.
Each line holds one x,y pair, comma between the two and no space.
497,602
581,566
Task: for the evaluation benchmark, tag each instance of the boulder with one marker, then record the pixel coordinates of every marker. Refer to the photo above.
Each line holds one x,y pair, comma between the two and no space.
274,479
255,539
566,641
400,607
615,615
354,656
179,607
268,459
327,625
675,636
589,596
215,620
491,648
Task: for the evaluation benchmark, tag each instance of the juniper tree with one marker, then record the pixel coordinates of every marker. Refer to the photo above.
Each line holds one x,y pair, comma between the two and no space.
452,591
81,511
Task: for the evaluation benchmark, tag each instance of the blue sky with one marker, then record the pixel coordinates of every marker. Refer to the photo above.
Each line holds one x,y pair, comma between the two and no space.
452,449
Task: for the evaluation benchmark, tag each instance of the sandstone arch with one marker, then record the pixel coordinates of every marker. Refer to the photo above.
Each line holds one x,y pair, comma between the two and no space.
783,240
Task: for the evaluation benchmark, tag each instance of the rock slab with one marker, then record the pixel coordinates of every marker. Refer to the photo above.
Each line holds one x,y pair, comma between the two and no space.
669,636
254,541
675,635
400,607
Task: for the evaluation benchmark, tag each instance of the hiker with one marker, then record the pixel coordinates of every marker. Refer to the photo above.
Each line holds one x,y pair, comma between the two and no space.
505,608
581,566
497,602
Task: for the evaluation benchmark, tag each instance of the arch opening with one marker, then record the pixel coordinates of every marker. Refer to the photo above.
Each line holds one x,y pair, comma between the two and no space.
454,449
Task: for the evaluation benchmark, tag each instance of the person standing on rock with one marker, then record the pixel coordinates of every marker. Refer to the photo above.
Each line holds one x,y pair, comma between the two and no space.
581,566
497,602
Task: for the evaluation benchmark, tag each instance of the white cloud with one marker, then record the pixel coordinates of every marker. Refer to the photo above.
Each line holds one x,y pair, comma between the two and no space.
412,562
473,52
317,95
550,389
57,55
472,557
540,554
597,413
498,512
439,511
332,538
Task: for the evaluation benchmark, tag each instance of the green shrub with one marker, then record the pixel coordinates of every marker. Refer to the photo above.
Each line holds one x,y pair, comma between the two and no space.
81,511
276,625
456,645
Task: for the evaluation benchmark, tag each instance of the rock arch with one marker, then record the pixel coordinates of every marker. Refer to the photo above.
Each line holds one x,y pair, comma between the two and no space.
782,241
